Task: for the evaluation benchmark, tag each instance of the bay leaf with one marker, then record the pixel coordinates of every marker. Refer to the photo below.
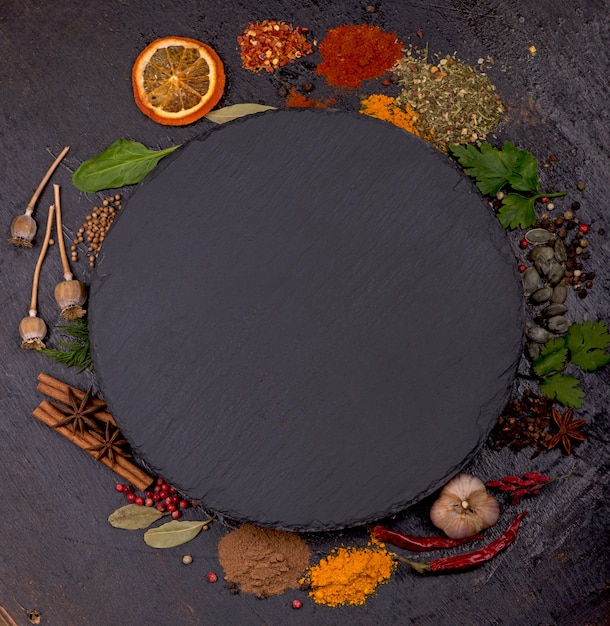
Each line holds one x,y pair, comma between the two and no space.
133,517
233,111
173,533
123,162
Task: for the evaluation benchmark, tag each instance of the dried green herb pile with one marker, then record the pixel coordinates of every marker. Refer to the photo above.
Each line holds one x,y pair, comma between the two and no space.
456,103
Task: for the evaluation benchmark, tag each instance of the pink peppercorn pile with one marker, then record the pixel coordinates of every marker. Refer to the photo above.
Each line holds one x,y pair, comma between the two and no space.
162,495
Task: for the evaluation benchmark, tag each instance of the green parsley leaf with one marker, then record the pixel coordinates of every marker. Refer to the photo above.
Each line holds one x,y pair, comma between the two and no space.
587,343
494,168
564,389
517,211
552,358
525,175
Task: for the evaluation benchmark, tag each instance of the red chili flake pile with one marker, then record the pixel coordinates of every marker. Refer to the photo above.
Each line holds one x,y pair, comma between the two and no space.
270,44
354,53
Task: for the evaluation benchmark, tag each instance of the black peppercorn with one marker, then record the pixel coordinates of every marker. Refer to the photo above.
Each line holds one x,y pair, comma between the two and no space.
575,206
582,293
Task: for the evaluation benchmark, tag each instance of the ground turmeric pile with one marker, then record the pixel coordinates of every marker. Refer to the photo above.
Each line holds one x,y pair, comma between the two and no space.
387,108
349,575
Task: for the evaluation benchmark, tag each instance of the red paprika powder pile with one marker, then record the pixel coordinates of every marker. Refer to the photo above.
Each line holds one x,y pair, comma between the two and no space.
297,100
354,53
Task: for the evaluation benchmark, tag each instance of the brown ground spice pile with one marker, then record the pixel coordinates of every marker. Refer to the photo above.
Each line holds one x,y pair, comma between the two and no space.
263,561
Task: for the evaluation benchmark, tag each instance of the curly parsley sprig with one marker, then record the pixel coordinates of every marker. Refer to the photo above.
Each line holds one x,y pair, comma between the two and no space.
584,345
511,168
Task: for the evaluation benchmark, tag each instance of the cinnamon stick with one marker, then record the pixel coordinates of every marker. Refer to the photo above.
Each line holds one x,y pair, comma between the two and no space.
49,415
58,390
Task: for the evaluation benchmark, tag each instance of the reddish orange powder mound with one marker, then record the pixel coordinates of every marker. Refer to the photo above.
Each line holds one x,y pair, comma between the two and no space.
299,101
355,53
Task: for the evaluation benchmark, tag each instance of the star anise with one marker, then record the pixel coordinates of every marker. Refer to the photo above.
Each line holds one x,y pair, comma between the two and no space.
569,429
79,415
109,444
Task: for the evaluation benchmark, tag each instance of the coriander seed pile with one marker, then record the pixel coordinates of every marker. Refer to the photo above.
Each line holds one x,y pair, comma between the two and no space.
95,227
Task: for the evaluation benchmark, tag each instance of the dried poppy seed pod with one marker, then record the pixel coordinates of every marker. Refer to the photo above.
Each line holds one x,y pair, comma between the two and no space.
23,230
23,227
70,296
32,330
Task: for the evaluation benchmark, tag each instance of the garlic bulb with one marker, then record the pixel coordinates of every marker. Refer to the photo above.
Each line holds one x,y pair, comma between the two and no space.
23,229
32,330
464,508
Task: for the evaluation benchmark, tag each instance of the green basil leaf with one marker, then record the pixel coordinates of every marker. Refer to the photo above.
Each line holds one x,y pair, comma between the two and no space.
122,163
232,112
133,517
173,534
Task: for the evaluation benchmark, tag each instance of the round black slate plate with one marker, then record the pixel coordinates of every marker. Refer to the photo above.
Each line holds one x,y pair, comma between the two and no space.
306,319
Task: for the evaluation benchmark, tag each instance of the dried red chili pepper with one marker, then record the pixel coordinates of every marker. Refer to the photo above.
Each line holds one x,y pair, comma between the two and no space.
518,488
465,561
419,544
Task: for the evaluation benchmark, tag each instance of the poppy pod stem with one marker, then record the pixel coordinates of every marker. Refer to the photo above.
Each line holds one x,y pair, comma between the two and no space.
60,236
43,251
23,227
32,203
33,329
70,294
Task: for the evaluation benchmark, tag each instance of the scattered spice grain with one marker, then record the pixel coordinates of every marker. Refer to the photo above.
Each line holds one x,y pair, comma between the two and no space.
354,53
269,45
348,575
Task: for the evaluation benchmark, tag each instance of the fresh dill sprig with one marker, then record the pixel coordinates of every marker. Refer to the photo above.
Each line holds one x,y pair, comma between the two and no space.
76,353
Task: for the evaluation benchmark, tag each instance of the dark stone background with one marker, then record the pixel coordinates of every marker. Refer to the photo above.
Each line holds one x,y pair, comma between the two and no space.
65,80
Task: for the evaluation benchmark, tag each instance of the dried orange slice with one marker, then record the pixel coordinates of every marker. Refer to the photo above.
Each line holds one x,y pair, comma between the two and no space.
177,80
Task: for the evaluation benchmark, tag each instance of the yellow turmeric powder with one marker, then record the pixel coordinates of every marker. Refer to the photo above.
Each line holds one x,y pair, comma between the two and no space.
387,108
349,575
